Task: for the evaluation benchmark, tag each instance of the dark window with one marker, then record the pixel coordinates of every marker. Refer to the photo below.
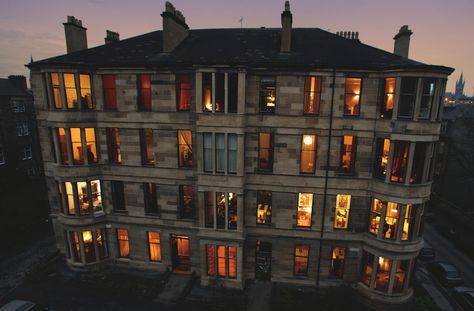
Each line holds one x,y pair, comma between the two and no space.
337,262
348,152
110,92
401,273
418,163
207,137
186,201
308,154
352,96
146,142
118,196
209,209
265,151
185,151
400,161
207,92
267,94
301,259
406,102
85,91
382,150
442,91
312,95
183,92
220,92
220,152
151,205
232,153
113,138
367,268
144,92
427,98
264,207
388,98
58,102
232,89
154,246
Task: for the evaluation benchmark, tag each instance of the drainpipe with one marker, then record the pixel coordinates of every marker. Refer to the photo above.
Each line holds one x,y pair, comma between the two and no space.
326,177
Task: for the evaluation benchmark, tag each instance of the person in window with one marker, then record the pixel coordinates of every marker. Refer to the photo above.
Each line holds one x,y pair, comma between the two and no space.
90,156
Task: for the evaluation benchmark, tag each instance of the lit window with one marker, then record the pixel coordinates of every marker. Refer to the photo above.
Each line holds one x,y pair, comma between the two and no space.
186,201
305,207
312,95
232,210
216,94
154,246
96,196
225,204
265,151
427,98
185,144
348,151
76,143
85,88
101,240
301,259
70,89
221,266
63,146
71,203
408,222
150,196
406,102
113,139
144,92
83,197
337,261
264,207
183,92
388,98
368,268
88,241
400,275
267,94
207,105
343,205
58,103
400,161
419,160
352,96
124,248
91,145
211,259
146,142
110,92
390,226
220,210
383,274
308,154
221,261
375,216
382,150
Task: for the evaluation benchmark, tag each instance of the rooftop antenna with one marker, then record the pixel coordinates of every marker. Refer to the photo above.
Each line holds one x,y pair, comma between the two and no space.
241,19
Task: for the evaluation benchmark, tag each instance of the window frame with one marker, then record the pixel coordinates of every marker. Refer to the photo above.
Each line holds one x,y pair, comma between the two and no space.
305,258
182,161
347,93
317,95
144,148
113,145
261,195
410,96
267,85
150,199
353,153
152,244
301,209
271,149
312,153
123,241
180,90
144,93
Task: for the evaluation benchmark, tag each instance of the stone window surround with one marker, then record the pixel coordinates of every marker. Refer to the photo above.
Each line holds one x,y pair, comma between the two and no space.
70,245
57,146
62,89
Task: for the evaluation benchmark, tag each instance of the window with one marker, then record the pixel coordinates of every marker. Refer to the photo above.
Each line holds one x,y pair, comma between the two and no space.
352,96
264,207
88,241
348,152
146,142
150,196
89,196
96,196
368,268
312,95
419,160
58,102
118,197
219,95
218,207
22,129
110,92
265,152
221,157
207,105
400,275
232,89
305,207
26,153
337,262
63,146
113,139
220,152
85,91
388,98
390,226
185,145
267,94
2,155
375,217
207,152
400,161
409,222
442,91
101,240
154,246
219,92
71,202
183,92
18,106
122,238
343,206
144,92
76,249
406,102
308,154
301,260
382,150
186,201
76,143
70,89
382,278
427,98
91,145
221,261
232,153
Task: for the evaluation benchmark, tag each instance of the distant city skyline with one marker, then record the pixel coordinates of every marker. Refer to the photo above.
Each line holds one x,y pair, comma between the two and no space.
441,28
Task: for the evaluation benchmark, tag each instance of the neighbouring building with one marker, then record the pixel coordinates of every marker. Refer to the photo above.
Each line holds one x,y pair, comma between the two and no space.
288,155
23,200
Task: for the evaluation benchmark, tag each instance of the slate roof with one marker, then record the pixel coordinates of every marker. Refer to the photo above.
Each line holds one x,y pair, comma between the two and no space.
311,47
9,89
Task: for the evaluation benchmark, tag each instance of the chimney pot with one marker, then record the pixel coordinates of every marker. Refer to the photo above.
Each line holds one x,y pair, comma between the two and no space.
286,26
76,35
111,36
402,41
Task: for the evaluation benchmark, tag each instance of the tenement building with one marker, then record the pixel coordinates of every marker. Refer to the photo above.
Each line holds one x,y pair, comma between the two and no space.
287,155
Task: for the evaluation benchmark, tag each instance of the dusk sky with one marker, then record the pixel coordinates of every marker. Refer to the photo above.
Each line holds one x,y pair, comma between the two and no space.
442,29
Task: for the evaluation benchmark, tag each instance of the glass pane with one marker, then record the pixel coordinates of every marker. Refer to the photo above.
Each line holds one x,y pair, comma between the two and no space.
352,98
232,150
208,152
83,197
207,92
308,154
77,151
71,92
183,92
96,196
312,94
86,97
305,205
185,148
220,152
264,207
343,205
232,262
91,145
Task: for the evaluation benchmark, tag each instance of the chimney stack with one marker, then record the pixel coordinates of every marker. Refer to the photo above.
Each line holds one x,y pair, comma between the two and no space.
76,35
19,82
402,41
111,36
175,29
286,22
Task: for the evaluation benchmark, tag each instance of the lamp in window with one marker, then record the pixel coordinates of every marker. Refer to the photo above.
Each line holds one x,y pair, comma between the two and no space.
207,99
87,236
270,98
308,140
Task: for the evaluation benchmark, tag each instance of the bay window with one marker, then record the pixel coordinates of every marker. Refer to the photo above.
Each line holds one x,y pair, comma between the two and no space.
427,98
382,150
305,207
219,92
407,98
382,277
70,90
118,196
92,243
419,160
75,141
400,161
390,226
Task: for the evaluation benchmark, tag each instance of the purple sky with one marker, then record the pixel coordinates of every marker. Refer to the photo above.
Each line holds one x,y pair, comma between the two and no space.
442,29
